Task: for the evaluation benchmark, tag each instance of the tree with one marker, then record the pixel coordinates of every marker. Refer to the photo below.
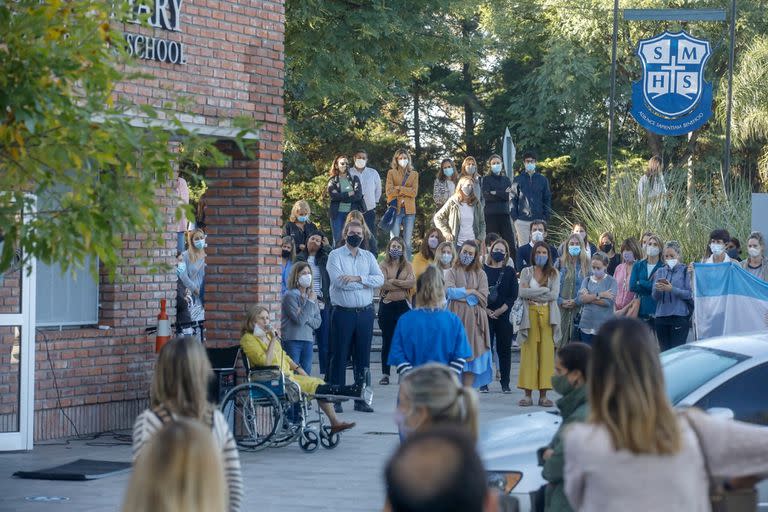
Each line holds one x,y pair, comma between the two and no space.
64,137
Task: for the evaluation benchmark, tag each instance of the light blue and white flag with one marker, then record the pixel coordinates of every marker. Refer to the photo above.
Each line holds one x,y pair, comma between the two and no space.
728,300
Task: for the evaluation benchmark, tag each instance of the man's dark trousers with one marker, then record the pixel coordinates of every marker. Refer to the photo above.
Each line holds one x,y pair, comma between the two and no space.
350,327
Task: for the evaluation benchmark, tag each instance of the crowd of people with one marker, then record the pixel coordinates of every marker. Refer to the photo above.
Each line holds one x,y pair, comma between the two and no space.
484,279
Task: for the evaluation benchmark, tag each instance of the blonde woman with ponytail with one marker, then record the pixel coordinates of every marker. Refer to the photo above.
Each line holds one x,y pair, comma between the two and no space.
635,452
432,395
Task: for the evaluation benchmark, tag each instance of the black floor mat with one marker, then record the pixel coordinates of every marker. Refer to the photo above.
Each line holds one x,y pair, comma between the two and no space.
81,469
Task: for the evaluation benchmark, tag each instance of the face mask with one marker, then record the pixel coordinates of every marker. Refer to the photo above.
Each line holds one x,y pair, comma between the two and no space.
286,254
496,168
354,240
628,256
561,384
754,252
181,267
433,242
471,169
717,249
598,274
541,260
258,331
530,167
403,162
671,263
574,250
305,280
360,163
468,190
606,247
466,259
652,251
498,256
199,244
446,258
537,236
395,253
448,171
733,253
302,218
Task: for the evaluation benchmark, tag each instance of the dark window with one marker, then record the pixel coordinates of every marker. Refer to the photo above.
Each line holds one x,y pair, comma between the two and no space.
744,394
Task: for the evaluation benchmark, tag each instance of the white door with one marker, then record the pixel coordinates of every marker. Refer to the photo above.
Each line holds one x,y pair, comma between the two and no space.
17,357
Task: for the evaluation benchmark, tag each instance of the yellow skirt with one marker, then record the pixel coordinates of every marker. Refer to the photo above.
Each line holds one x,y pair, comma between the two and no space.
537,354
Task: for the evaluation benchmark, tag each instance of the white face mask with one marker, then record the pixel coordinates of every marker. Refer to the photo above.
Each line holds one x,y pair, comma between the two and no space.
651,250
305,280
672,263
258,331
537,236
467,189
753,252
717,249
360,163
403,162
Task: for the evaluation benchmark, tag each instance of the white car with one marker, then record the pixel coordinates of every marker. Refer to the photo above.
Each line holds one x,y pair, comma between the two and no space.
724,376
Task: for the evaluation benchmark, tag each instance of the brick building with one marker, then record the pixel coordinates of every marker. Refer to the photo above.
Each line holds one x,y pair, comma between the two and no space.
226,59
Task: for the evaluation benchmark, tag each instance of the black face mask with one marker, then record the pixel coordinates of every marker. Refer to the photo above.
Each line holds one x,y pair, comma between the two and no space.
733,253
606,247
286,254
354,240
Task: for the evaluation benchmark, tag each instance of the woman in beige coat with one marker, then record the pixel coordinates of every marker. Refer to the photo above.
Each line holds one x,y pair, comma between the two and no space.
467,289
461,218
539,327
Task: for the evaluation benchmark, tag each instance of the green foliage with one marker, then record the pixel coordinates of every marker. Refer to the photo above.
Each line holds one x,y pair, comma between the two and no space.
63,138
687,221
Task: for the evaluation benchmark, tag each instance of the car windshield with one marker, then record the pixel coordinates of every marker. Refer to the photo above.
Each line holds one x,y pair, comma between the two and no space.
689,366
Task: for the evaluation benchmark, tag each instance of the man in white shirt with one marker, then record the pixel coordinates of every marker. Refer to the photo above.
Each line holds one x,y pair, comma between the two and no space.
371,184
354,276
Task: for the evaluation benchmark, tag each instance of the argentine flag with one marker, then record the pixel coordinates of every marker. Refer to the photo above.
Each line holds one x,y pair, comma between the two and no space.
728,300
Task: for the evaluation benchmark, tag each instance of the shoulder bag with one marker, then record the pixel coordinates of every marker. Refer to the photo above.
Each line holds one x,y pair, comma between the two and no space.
722,499
493,292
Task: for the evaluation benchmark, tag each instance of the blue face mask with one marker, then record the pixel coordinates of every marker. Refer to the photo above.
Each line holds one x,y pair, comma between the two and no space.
496,168
541,260
530,167
599,274
199,244
302,218
574,250
466,259
448,171
395,253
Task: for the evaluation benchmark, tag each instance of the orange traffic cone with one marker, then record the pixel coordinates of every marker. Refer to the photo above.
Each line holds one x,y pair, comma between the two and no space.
163,328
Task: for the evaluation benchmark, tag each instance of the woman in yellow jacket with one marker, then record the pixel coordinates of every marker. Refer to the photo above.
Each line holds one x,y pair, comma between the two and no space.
428,251
261,346
402,186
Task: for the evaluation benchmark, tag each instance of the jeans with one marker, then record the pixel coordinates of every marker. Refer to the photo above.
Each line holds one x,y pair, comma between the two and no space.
407,220
321,338
389,314
337,226
502,330
370,221
671,331
586,338
301,353
351,331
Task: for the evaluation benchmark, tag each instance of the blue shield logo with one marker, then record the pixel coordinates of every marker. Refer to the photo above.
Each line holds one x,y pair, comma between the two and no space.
672,98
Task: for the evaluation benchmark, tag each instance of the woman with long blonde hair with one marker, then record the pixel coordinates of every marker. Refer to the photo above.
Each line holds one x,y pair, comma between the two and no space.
180,390
573,265
471,170
401,188
299,226
181,468
461,218
636,453
191,272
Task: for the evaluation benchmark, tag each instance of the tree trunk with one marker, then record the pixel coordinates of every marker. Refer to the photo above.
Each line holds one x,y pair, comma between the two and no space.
690,185
469,111
656,144
416,122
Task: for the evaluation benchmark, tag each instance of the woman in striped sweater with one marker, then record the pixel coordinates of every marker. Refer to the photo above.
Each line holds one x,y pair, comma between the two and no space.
179,389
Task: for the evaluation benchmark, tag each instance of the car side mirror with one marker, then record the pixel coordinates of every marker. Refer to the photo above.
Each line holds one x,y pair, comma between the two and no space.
721,412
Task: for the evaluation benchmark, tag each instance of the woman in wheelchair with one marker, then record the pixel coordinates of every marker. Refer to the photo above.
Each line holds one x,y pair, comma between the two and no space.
262,347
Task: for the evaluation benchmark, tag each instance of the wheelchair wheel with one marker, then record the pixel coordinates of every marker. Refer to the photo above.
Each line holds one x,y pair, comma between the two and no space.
308,441
329,440
253,413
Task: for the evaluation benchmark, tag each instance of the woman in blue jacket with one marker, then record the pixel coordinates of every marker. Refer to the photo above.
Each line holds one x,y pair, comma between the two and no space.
641,280
672,293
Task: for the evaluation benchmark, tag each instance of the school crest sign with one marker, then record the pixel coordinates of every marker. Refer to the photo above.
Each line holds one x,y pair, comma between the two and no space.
672,97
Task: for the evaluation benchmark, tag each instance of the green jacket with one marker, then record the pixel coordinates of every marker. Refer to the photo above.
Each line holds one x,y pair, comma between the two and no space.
447,219
573,409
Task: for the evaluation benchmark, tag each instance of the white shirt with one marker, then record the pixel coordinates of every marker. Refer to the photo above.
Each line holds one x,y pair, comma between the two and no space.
370,181
727,259
342,262
467,222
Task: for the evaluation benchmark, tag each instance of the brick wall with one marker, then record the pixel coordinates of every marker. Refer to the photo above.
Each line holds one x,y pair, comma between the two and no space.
234,67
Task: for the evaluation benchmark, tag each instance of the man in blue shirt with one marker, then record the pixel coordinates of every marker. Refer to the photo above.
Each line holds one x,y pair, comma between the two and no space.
531,199
354,275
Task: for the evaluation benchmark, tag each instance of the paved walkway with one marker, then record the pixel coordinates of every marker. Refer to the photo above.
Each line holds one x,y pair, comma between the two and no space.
345,479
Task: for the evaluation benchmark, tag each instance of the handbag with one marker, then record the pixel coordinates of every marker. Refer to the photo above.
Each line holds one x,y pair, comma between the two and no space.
516,315
387,221
720,498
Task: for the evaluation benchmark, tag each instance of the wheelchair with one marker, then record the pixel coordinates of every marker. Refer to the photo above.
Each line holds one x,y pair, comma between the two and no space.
270,410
